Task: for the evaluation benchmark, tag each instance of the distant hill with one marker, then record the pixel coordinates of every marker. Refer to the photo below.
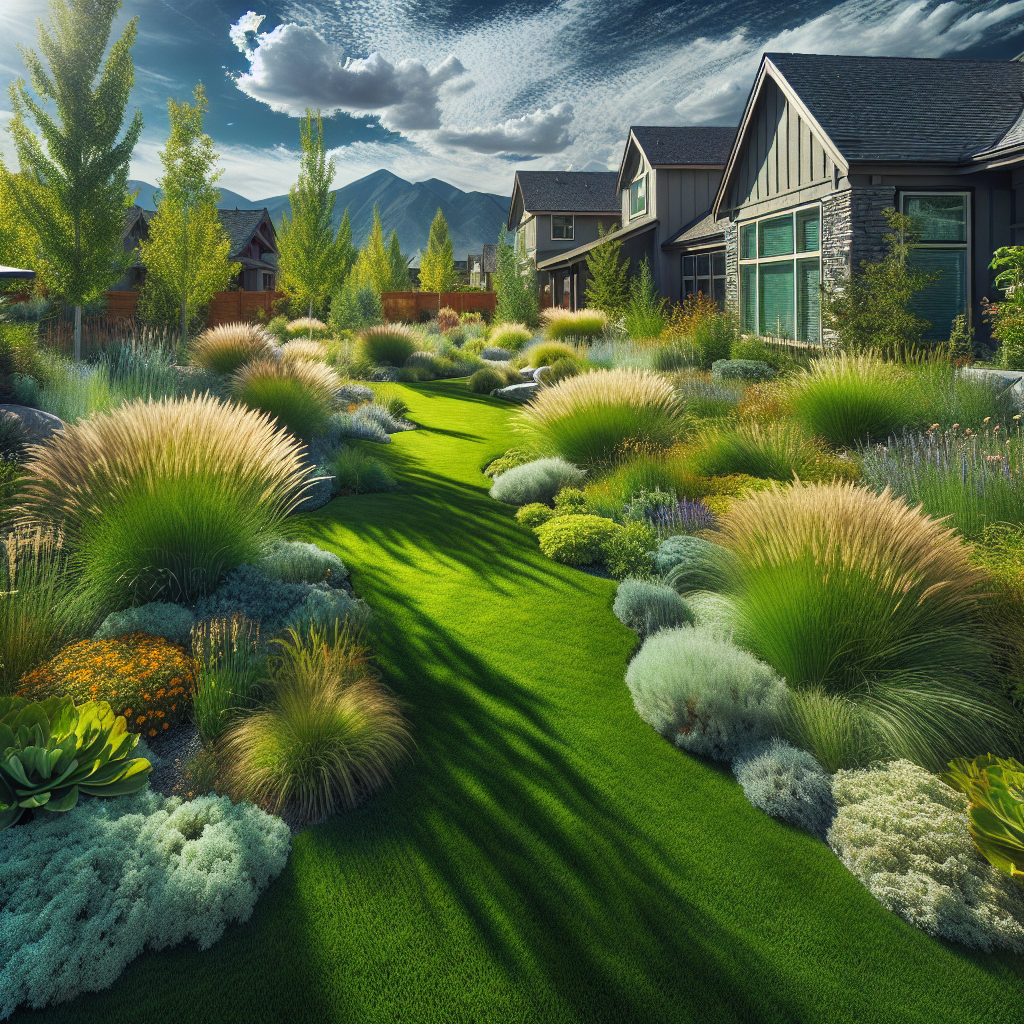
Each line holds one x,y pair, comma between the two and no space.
474,218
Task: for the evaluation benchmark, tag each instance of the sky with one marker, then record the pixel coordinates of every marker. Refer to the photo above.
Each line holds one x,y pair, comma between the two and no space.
470,90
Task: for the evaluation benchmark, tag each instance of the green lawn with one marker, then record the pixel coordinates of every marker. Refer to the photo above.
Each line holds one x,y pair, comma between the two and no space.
545,856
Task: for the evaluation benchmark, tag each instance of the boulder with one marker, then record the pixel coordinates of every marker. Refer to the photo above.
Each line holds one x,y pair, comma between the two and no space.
37,427
517,392
539,371
527,372
318,495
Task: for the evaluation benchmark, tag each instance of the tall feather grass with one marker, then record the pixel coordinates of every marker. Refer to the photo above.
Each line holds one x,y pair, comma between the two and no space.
158,500
595,417
225,348
227,668
775,451
326,738
388,344
582,323
299,394
510,336
863,598
303,348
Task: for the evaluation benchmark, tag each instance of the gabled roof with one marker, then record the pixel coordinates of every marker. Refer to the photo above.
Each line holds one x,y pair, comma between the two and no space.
685,146
702,229
241,225
637,227
565,192
921,109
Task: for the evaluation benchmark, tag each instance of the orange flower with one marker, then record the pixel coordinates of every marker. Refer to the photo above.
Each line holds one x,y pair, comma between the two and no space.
152,732
165,725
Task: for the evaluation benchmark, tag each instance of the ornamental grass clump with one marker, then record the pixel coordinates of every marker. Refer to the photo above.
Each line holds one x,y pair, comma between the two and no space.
510,336
303,348
147,680
536,481
705,695
159,500
775,451
862,599
228,663
596,418
388,344
582,323
299,394
848,400
327,736
225,348
308,327
356,472
544,353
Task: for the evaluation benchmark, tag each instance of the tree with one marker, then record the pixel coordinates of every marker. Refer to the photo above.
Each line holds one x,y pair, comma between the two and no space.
373,265
311,256
19,243
186,255
871,309
644,317
399,266
608,284
73,188
515,282
437,264
348,252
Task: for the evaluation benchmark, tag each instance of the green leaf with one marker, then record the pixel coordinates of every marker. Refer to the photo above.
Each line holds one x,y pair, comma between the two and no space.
62,800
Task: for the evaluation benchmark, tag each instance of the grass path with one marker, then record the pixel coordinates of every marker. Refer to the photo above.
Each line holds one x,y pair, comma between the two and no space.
545,856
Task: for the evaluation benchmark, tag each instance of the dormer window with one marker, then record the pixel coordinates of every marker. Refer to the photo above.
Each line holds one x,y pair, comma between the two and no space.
638,194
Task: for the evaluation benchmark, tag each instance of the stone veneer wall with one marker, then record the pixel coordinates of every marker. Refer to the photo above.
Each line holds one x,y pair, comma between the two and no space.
732,269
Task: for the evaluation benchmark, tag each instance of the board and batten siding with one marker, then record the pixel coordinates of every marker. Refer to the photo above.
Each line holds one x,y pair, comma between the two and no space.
781,155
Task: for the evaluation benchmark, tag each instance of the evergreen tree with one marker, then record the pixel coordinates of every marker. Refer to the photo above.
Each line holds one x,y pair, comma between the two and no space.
73,189
186,255
608,284
399,266
515,283
437,264
312,257
348,252
644,318
373,264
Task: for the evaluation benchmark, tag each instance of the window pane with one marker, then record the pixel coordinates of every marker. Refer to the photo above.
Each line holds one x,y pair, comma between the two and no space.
688,266
718,264
638,196
704,285
938,218
808,314
748,242
775,237
689,287
807,231
719,286
947,298
704,265
776,293
748,299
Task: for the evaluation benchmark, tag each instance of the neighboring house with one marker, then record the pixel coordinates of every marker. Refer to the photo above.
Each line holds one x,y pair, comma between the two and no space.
253,245
665,185
826,143
553,212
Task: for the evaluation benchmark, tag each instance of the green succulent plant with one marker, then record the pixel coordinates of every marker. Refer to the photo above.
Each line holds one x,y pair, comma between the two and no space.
51,751
995,787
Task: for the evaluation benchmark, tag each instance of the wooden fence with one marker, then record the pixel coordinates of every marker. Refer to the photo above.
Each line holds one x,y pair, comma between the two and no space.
408,306
226,308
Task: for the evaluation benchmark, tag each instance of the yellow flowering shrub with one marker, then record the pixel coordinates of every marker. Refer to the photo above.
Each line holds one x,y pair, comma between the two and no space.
145,678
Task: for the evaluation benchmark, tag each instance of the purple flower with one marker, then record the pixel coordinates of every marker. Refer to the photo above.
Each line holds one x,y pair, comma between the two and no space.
684,516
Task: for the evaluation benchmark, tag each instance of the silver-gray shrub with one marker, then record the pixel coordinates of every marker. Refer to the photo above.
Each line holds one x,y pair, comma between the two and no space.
379,416
705,695
903,832
714,612
84,893
341,427
690,563
293,561
354,394
495,354
646,607
157,618
322,609
534,481
788,783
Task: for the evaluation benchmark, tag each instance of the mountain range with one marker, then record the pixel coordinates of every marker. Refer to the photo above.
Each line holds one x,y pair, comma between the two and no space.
474,218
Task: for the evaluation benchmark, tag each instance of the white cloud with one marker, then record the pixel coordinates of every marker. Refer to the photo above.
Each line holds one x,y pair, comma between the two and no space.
543,131
294,67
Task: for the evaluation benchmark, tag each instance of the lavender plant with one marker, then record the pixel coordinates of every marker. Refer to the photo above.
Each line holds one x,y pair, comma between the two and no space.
683,516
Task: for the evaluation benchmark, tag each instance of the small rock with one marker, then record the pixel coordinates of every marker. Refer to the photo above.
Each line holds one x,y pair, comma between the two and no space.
527,372
539,371
37,426
318,495
517,392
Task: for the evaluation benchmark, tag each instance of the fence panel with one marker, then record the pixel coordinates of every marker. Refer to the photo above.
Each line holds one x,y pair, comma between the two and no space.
407,306
225,308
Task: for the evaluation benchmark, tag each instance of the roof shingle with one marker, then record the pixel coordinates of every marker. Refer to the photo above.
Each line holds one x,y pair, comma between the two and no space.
693,145
569,191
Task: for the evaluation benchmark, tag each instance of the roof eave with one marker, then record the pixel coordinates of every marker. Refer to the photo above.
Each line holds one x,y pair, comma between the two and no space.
630,141
512,203
622,233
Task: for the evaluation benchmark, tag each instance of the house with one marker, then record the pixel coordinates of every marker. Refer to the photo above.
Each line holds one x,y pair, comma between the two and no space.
665,185
827,143
553,212
253,245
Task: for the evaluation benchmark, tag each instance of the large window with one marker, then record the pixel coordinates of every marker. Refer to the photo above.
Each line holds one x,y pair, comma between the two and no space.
941,223
780,268
705,273
561,226
638,196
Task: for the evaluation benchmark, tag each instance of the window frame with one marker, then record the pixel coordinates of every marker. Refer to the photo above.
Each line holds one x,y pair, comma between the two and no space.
794,258
967,245
711,276
641,176
571,218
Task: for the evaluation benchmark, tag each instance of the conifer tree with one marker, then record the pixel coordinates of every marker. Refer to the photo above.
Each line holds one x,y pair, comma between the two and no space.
608,283
73,189
437,264
312,257
373,265
399,266
186,254
515,283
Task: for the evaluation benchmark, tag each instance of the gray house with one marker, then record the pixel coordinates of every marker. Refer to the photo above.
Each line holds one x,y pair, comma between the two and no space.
553,212
666,183
826,143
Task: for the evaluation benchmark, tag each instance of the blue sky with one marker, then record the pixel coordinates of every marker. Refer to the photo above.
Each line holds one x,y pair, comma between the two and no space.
467,90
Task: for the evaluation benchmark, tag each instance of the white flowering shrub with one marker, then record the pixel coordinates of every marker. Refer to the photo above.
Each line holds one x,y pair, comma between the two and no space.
704,694
157,618
903,832
787,783
83,893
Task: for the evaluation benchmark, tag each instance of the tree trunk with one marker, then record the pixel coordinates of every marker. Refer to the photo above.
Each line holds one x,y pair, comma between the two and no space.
184,322
78,334
311,317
